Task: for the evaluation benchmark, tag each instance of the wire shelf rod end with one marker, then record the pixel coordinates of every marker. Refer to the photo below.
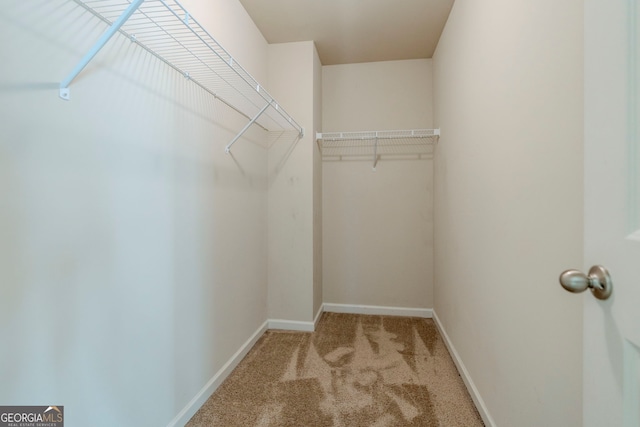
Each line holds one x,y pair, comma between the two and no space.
247,126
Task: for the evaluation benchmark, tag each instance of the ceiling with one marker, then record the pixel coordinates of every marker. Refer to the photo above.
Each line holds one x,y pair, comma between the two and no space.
352,31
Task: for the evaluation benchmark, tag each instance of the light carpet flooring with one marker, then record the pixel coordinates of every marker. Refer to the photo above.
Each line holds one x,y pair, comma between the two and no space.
353,371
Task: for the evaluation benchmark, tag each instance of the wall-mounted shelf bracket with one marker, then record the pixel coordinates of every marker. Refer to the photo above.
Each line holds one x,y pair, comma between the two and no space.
247,126
375,153
252,121
102,41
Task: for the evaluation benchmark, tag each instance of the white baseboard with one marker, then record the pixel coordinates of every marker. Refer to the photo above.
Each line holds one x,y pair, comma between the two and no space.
471,387
196,403
297,325
426,313
291,325
318,315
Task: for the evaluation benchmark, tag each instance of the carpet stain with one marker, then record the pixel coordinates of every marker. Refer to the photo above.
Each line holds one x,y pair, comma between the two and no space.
353,371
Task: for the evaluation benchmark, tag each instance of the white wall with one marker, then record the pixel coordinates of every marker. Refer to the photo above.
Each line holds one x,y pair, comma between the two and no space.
508,99
377,96
378,226
133,251
292,212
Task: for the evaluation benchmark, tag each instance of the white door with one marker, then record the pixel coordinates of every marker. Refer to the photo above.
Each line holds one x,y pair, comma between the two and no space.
612,211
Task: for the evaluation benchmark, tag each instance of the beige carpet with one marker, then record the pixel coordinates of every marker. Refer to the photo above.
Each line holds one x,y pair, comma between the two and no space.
354,371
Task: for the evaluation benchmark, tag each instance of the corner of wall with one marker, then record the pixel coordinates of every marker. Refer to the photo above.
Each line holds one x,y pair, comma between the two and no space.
292,250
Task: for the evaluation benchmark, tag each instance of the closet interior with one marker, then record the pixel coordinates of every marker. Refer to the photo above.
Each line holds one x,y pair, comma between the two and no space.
159,230
163,205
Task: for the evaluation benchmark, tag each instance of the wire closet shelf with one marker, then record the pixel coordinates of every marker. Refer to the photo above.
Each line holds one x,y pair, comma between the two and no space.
377,143
168,31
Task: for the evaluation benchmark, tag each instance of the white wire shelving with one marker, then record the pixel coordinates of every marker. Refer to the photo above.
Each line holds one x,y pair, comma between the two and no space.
377,143
168,31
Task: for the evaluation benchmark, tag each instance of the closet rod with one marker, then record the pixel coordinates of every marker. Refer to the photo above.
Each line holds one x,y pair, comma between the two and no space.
377,134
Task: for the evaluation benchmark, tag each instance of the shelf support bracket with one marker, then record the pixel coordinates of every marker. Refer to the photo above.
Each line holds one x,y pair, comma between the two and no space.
102,41
248,125
375,153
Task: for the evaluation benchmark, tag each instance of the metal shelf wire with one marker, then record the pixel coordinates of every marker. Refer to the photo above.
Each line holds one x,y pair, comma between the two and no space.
377,143
167,30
